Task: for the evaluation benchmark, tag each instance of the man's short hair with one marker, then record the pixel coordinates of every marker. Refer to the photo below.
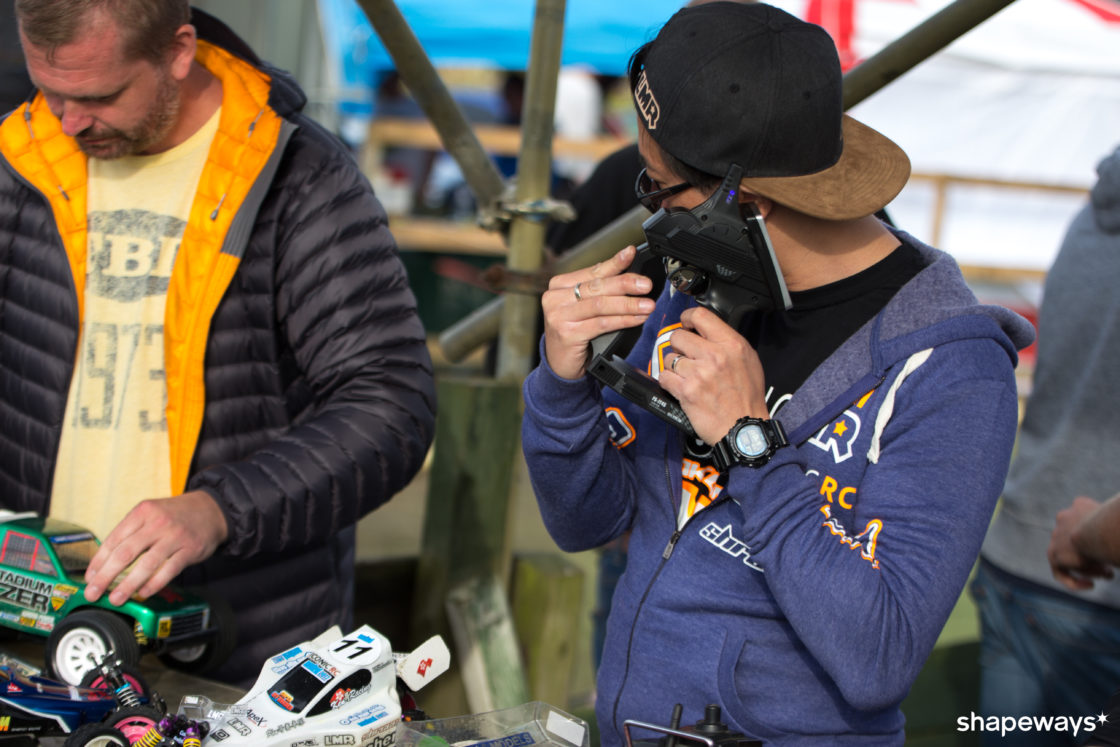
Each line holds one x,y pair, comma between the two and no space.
148,26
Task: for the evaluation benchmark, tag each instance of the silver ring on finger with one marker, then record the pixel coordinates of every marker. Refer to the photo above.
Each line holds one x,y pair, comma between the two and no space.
575,290
673,365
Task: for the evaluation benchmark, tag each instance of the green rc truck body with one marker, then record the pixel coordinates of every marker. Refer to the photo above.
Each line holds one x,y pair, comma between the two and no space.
42,569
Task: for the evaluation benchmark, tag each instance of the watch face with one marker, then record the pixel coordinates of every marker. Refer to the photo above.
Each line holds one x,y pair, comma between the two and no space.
751,441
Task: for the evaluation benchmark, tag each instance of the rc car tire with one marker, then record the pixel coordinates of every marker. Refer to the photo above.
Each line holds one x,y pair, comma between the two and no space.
84,632
211,653
96,735
134,722
132,676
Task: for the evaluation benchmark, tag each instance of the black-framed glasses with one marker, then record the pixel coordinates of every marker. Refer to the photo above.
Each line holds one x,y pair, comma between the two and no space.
650,195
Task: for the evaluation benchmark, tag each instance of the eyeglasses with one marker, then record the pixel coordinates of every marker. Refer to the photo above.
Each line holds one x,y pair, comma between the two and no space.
650,195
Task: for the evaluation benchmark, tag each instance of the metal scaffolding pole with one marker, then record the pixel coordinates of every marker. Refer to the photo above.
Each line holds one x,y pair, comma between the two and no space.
483,324
921,42
433,97
518,338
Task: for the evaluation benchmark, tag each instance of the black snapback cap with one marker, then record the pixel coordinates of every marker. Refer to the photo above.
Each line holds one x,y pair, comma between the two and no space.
749,84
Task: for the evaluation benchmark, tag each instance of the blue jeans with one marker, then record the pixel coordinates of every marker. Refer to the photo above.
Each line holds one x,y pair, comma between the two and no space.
1042,653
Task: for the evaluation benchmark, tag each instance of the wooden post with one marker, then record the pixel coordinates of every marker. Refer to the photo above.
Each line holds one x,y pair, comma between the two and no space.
547,601
486,645
464,536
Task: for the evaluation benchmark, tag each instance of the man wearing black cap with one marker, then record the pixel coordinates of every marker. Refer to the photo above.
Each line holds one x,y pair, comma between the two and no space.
795,563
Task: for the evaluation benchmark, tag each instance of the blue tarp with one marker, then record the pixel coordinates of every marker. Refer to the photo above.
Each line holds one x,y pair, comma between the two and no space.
491,33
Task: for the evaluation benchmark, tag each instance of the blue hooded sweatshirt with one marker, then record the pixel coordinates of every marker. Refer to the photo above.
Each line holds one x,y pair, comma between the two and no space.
805,599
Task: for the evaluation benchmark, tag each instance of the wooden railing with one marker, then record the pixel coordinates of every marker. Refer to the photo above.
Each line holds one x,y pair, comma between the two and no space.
500,140
437,235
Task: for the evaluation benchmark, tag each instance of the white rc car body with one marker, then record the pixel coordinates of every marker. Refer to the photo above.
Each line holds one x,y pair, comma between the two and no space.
335,690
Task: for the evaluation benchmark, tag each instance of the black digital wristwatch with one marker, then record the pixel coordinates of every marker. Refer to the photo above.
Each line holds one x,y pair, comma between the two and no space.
750,443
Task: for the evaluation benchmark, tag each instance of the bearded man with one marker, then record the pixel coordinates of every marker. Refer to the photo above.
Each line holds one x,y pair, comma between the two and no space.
209,351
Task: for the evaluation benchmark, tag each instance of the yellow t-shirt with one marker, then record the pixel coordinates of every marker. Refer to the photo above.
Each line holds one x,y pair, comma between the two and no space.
114,450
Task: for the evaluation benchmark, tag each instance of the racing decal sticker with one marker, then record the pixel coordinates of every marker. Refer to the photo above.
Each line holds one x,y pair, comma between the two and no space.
61,595
366,716
342,696
384,740
383,735
284,727
317,670
286,660
721,537
360,648
331,740
239,727
319,667
24,591
283,698
622,433
66,539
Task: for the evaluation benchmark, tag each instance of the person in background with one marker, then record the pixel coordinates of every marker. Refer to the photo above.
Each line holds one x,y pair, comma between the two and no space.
794,562
14,83
1085,543
211,353
1049,609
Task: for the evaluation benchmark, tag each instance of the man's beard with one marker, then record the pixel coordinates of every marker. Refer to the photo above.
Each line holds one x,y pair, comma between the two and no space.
161,117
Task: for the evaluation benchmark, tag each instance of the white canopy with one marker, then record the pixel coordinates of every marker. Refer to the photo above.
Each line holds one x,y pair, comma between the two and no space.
1031,95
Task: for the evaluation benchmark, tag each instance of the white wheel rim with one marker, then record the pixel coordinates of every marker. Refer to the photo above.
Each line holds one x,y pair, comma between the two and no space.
103,740
71,660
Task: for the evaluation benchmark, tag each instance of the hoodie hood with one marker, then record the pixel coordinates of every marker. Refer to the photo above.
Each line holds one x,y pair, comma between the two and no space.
1105,195
934,308
286,97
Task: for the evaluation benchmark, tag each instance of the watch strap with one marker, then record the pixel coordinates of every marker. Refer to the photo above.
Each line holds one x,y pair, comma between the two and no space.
725,455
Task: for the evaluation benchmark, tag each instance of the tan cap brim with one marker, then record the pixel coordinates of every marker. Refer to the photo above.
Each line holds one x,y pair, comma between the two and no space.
872,169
